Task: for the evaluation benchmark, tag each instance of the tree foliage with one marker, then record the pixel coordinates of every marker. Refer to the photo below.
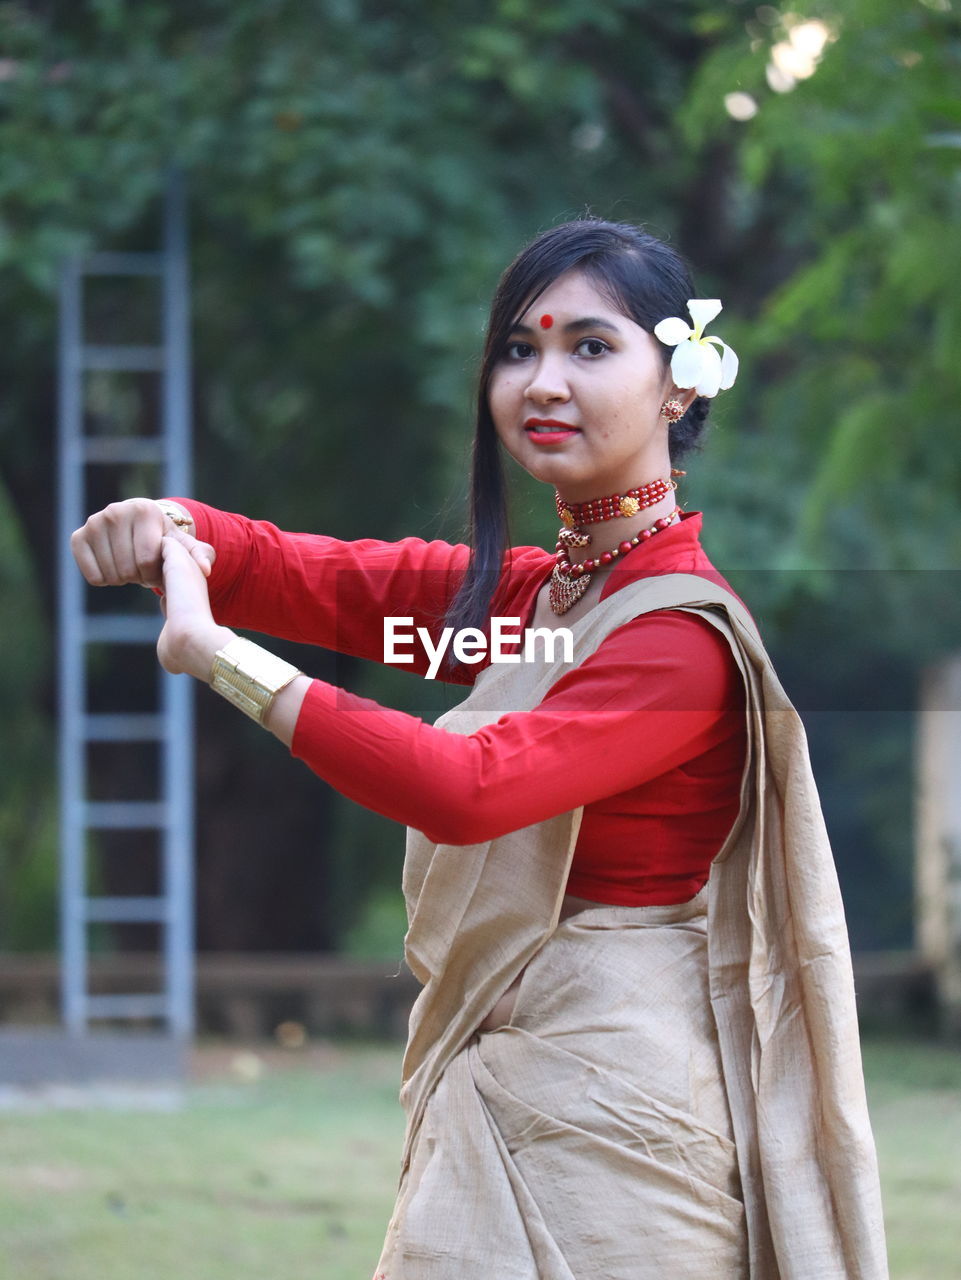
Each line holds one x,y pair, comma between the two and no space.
859,335
359,173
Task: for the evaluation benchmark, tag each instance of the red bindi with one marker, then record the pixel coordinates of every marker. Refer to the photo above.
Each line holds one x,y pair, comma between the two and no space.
546,321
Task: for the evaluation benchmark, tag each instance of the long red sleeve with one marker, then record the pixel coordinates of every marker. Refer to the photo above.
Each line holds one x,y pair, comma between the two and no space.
653,696
320,590
648,734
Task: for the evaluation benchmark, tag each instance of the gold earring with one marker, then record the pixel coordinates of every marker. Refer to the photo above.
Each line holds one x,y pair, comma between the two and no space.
673,410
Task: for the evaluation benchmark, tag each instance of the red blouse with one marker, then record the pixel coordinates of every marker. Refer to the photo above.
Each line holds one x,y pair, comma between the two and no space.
647,734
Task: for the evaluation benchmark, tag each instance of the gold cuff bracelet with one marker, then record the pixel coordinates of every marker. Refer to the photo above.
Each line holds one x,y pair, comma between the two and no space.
249,677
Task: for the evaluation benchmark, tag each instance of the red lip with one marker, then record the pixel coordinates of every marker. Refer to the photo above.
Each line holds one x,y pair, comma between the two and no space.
561,431
549,422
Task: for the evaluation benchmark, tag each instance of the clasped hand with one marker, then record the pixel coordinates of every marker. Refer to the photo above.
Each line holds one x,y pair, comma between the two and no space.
134,541
190,636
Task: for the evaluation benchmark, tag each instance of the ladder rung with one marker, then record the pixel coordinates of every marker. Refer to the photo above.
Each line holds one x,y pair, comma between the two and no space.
125,726
125,910
122,264
122,449
125,815
132,1006
119,628
124,357
94,632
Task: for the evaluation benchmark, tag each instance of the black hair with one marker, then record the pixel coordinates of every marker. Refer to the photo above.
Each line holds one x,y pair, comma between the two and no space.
644,279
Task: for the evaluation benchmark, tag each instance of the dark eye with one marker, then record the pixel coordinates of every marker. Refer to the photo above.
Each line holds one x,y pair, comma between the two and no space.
518,351
592,347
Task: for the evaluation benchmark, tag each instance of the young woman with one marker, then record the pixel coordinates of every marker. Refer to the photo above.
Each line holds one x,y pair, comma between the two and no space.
635,1053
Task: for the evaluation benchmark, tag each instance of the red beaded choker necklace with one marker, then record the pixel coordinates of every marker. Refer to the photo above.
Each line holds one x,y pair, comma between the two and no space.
570,581
630,503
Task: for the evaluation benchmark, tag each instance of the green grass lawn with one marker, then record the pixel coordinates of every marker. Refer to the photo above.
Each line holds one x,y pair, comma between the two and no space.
290,1174
287,1177
915,1096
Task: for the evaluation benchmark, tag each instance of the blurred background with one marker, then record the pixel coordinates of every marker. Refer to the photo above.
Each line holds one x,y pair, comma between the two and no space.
358,174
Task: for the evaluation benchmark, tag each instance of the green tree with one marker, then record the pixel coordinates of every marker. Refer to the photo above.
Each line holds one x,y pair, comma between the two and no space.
855,334
846,184
358,175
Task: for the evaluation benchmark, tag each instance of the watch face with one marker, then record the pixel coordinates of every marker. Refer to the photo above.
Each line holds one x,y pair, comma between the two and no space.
182,519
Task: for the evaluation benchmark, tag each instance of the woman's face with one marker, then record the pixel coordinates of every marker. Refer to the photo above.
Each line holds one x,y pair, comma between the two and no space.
576,397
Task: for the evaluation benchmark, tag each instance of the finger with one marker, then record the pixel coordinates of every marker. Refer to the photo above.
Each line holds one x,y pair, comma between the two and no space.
174,584
86,560
115,523
205,555
147,532
100,542
124,553
184,583
173,554
136,528
201,552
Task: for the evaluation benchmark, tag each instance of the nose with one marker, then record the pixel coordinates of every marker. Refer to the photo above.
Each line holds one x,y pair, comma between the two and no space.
548,384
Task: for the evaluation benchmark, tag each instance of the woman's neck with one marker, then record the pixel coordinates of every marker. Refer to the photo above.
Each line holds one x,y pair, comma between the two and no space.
607,534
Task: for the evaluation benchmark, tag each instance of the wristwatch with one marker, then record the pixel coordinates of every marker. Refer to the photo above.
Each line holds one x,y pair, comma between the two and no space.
180,516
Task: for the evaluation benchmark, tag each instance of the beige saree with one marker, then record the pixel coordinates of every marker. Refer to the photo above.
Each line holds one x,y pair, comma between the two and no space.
678,1091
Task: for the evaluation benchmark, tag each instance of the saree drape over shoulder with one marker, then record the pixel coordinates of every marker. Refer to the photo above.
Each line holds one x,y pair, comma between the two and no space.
678,1091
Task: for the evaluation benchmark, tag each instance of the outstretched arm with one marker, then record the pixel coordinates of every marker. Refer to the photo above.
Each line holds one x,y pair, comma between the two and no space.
647,704
325,591
304,587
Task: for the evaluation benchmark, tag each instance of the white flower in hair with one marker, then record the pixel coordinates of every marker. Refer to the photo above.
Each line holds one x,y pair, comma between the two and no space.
695,362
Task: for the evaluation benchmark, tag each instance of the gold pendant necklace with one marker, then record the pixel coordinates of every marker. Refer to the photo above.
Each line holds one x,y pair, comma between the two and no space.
565,591
570,581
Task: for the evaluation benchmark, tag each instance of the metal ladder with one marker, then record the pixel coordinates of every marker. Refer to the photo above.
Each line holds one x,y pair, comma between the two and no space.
170,725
